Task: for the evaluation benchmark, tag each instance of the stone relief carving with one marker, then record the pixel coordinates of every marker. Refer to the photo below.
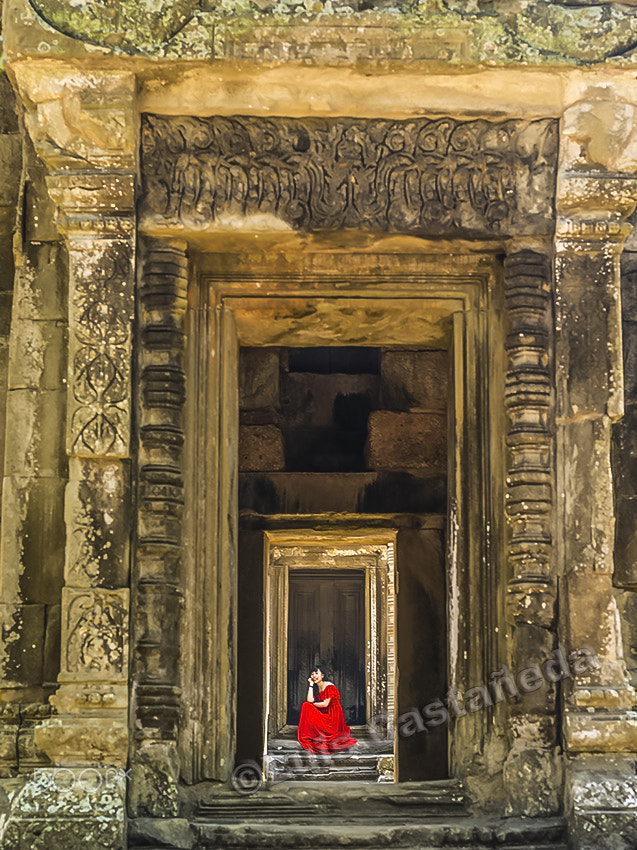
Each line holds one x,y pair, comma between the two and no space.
424,176
536,31
96,624
121,24
101,328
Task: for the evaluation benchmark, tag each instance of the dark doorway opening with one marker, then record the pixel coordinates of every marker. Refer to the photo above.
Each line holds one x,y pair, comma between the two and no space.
339,438
326,623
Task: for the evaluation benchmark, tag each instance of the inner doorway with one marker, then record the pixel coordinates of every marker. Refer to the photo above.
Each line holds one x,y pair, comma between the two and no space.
326,624
350,438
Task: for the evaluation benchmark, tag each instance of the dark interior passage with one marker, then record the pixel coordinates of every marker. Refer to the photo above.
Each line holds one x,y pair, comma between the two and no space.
341,432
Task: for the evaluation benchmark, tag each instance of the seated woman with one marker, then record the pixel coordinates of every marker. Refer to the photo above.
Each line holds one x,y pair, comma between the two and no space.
322,726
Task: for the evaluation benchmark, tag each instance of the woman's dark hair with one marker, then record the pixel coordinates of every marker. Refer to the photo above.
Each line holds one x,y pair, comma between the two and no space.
320,667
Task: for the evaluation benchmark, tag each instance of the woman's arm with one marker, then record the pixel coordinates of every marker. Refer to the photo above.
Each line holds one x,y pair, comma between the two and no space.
310,692
324,703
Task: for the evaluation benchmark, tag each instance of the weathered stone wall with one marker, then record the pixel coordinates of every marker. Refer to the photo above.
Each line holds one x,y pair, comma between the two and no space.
370,441
34,404
434,121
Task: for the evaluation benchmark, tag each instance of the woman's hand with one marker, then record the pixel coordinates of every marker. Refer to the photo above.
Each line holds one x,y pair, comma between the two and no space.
310,681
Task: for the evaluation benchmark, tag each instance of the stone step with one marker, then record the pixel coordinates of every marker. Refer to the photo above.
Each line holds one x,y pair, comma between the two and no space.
364,743
310,766
322,830
288,801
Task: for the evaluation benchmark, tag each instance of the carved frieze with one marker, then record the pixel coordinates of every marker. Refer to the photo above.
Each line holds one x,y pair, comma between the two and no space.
425,176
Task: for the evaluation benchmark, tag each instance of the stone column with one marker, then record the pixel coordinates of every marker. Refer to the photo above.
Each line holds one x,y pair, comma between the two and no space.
532,771
157,580
596,191
83,129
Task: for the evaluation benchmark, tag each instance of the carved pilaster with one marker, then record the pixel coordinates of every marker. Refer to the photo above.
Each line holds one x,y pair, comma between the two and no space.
83,129
597,190
529,497
532,770
157,578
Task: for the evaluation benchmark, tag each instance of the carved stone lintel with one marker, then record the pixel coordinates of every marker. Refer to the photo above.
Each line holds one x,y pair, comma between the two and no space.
425,176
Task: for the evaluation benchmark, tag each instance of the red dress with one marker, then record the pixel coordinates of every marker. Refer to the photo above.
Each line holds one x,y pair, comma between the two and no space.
323,730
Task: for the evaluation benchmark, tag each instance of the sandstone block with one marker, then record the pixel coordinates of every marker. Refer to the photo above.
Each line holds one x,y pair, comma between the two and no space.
176,833
24,627
95,635
603,795
589,604
40,291
626,542
258,378
34,440
10,168
37,352
406,441
588,338
154,777
260,448
414,379
589,533
98,522
51,667
316,401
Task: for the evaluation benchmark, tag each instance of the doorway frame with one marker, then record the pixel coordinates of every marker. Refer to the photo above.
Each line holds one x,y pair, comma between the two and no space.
372,552
418,299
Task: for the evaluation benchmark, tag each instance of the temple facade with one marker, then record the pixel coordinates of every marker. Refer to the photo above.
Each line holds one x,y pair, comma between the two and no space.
318,343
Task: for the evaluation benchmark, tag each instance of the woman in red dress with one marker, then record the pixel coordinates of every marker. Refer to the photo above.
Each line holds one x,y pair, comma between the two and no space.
322,726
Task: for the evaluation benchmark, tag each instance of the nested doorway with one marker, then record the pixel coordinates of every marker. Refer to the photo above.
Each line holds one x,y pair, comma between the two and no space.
326,625
350,577
406,303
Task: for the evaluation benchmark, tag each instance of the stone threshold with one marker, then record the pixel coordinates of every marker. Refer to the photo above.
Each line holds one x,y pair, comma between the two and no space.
328,832
288,801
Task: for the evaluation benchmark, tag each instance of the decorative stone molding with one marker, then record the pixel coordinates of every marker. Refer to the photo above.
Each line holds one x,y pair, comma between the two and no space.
158,588
83,128
88,802
529,494
433,177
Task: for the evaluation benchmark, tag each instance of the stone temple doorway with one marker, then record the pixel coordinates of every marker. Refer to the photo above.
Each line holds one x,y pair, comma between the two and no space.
279,420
